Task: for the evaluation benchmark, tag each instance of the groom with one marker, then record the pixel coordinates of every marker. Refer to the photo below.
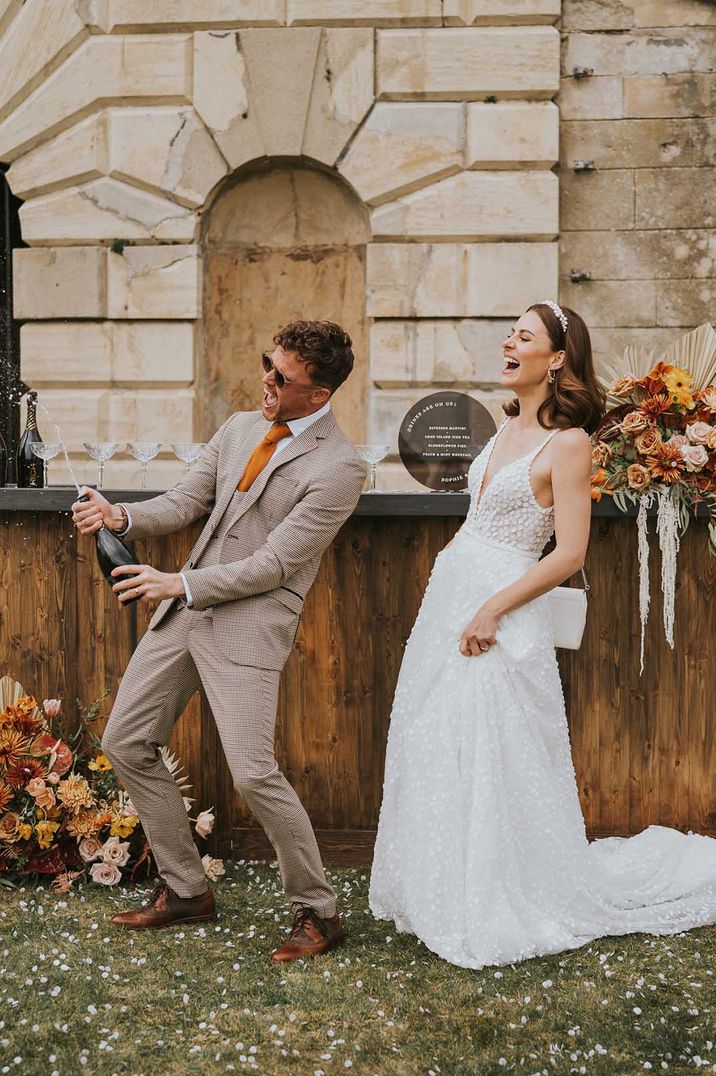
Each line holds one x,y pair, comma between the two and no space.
276,485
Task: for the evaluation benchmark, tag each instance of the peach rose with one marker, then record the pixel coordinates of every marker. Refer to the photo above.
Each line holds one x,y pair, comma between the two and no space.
90,849
647,441
708,397
601,454
115,851
204,823
633,423
677,440
53,778
638,477
213,868
698,432
105,873
711,439
45,798
695,457
623,386
36,786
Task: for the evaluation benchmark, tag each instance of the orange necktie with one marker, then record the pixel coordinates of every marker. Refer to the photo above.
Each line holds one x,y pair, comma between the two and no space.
262,454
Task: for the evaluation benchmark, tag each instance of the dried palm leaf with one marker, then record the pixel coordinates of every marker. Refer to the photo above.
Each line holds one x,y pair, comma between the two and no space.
10,692
636,360
696,352
176,769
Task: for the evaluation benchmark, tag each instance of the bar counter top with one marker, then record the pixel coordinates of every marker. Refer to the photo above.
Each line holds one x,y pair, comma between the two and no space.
60,499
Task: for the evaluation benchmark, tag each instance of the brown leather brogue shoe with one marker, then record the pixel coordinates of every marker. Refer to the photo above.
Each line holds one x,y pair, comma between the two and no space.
166,909
310,936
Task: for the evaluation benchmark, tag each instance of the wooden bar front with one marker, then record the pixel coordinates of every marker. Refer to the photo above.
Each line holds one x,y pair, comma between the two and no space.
643,746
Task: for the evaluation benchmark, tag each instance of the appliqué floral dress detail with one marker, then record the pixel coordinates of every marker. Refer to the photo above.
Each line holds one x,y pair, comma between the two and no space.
481,848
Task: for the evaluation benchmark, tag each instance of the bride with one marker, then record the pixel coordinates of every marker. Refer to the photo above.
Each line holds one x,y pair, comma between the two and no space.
481,848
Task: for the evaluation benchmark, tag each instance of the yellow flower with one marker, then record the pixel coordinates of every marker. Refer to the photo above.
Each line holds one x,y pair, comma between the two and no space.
683,398
25,831
124,826
678,383
101,764
45,832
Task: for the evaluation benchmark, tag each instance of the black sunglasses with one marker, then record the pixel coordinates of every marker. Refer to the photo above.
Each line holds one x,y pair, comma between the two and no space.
281,379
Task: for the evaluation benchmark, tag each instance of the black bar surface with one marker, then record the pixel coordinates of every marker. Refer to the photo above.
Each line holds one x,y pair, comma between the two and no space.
60,499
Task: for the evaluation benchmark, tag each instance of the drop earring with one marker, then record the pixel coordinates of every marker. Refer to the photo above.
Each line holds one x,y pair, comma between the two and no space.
550,376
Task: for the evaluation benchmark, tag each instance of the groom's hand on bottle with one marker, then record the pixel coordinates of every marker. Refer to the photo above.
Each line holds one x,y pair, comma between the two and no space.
89,515
146,583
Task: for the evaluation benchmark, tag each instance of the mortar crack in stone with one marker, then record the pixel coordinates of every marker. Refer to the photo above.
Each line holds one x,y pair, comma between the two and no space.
123,215
135,273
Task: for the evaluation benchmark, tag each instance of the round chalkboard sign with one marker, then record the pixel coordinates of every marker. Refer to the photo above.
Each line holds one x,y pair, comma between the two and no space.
440,437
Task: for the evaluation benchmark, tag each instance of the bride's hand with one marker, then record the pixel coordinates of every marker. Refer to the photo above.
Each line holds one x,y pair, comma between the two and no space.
480,633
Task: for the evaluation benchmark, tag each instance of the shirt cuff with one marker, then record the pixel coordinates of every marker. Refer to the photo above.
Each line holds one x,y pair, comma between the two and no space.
189,600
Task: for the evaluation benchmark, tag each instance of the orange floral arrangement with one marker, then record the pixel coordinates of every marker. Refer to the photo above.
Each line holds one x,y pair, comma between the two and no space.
663,433
656,447
63,810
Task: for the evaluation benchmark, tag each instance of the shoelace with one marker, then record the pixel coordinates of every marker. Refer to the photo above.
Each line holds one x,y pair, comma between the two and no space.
159,888
302,917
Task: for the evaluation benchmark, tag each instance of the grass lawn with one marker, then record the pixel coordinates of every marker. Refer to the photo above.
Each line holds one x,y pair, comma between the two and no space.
77,995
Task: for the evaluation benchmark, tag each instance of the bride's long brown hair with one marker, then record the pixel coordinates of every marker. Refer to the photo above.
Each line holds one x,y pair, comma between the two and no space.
575,396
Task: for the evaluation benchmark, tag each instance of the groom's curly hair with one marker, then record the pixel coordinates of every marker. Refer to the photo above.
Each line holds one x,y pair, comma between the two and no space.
323,346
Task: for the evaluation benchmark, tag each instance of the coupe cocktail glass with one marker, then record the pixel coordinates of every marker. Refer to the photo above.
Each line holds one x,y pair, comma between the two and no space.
46,451
188,451
144,451
372,454
101,451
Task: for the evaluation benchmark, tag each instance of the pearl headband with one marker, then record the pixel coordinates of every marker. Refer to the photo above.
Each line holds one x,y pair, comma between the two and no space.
557,311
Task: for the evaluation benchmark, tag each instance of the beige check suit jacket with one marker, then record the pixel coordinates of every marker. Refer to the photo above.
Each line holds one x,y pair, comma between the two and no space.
272,549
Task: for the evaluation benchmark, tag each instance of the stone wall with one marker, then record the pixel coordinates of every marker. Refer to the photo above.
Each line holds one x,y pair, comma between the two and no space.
643,222
125,120
122,120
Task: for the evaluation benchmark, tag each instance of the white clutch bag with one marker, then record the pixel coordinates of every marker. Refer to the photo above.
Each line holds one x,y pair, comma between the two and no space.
569,614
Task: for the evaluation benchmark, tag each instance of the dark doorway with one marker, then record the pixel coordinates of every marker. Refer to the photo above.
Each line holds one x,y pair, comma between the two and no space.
11,387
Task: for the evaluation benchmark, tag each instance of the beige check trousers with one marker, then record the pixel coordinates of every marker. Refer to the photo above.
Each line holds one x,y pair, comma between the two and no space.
167,668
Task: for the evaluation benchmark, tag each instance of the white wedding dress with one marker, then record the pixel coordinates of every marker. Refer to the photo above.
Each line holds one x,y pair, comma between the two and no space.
481,848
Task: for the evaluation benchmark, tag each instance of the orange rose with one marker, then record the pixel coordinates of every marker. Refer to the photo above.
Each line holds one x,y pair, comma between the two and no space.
633,423
638,477
647,441
711,438
601,454
623,386
10,827
45,798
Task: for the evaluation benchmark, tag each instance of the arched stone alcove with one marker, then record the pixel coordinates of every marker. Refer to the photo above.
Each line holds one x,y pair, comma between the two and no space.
283,241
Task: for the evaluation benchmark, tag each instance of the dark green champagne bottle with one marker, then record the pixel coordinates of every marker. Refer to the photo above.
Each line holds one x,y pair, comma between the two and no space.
30,468
111,552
